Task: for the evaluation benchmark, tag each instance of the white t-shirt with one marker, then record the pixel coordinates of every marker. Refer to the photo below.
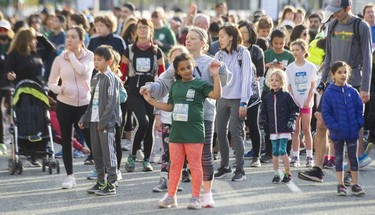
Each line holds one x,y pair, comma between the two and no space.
300,78
95,105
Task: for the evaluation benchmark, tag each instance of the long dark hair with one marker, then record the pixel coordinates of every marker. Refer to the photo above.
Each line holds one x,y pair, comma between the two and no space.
235,33
251,29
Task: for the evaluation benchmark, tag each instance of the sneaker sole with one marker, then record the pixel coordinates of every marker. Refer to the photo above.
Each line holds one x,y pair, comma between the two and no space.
240,179
341,194
358,194
70,187
309,178
106,194
167,206
91,191
226,175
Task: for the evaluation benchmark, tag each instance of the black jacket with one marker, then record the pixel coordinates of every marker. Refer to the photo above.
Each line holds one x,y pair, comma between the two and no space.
278,108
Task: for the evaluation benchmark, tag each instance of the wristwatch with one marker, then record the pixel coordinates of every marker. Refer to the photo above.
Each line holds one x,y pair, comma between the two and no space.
243,104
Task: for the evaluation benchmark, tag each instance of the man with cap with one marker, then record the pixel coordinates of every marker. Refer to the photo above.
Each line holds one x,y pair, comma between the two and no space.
341,37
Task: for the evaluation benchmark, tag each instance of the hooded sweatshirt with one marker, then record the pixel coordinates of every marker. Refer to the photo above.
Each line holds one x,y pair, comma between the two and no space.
75,73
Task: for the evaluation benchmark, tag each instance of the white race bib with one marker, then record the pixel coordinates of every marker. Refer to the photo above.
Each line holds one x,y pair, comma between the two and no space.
181,112
143,64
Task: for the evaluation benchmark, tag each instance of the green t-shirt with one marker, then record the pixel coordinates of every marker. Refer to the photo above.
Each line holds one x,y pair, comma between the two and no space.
167,37
188,114
285,57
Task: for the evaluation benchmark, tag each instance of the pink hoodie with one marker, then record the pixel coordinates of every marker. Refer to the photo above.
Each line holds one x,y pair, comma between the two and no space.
75,74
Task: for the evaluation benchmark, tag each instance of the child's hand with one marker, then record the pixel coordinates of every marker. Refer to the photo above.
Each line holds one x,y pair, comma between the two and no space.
80,125
143,90
215,67
147,96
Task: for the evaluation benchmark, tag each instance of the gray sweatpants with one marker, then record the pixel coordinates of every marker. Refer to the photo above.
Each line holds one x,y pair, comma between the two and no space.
227,113
104,152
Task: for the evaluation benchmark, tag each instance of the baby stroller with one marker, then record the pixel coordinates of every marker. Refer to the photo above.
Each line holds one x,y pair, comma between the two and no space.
32,133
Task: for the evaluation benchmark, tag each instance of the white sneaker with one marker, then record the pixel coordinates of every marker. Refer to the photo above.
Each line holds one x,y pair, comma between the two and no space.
119,175
69,182
208,201
140,156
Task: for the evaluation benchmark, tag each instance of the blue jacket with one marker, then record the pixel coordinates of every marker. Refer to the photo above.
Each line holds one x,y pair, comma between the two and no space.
278,108
342,112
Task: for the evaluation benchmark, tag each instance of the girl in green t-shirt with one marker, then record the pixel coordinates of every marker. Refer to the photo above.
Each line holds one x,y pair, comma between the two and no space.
186,99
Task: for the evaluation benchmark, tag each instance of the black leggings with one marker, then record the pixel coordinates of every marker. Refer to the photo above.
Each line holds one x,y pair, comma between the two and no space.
144,115
252,122
69,116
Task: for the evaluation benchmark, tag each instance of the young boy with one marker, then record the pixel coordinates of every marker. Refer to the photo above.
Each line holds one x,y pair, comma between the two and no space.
102,115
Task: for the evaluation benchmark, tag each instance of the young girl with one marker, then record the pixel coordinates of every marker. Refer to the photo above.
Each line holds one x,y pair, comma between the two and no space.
275,58
186,100
342,112
278,116
163,124
301,77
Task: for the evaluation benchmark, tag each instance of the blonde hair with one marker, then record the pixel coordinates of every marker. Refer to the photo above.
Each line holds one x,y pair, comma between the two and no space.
203,36
116,62
180,48
281,75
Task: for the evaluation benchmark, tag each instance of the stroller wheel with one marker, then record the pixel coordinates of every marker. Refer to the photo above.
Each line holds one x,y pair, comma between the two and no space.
19,167
50,167
11,166
57,167
44,164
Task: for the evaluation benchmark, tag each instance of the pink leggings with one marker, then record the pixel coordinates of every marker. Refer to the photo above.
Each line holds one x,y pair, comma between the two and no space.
177,153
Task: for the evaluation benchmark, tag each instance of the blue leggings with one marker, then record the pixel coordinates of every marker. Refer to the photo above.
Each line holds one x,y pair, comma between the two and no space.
352,148
279,147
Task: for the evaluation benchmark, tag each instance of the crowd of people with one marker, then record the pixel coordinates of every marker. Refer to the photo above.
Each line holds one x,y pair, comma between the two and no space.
205,83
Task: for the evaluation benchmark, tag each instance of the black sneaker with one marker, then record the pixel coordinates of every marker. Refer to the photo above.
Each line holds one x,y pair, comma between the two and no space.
88,161
348,179
266,159
109,189
341,190
222,172
239,175
314,174
357,190
287,178
185,176
276,179
98,186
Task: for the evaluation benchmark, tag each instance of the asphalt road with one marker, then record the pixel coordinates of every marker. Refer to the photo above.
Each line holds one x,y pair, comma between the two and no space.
37,192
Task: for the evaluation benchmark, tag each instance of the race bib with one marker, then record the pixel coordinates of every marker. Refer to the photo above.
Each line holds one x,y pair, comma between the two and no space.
181,112
143,64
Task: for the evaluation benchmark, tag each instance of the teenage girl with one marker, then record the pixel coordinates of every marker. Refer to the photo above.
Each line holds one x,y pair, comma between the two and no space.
301,78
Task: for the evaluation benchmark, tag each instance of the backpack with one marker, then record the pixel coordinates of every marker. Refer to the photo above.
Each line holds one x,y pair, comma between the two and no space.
356,23
132,70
